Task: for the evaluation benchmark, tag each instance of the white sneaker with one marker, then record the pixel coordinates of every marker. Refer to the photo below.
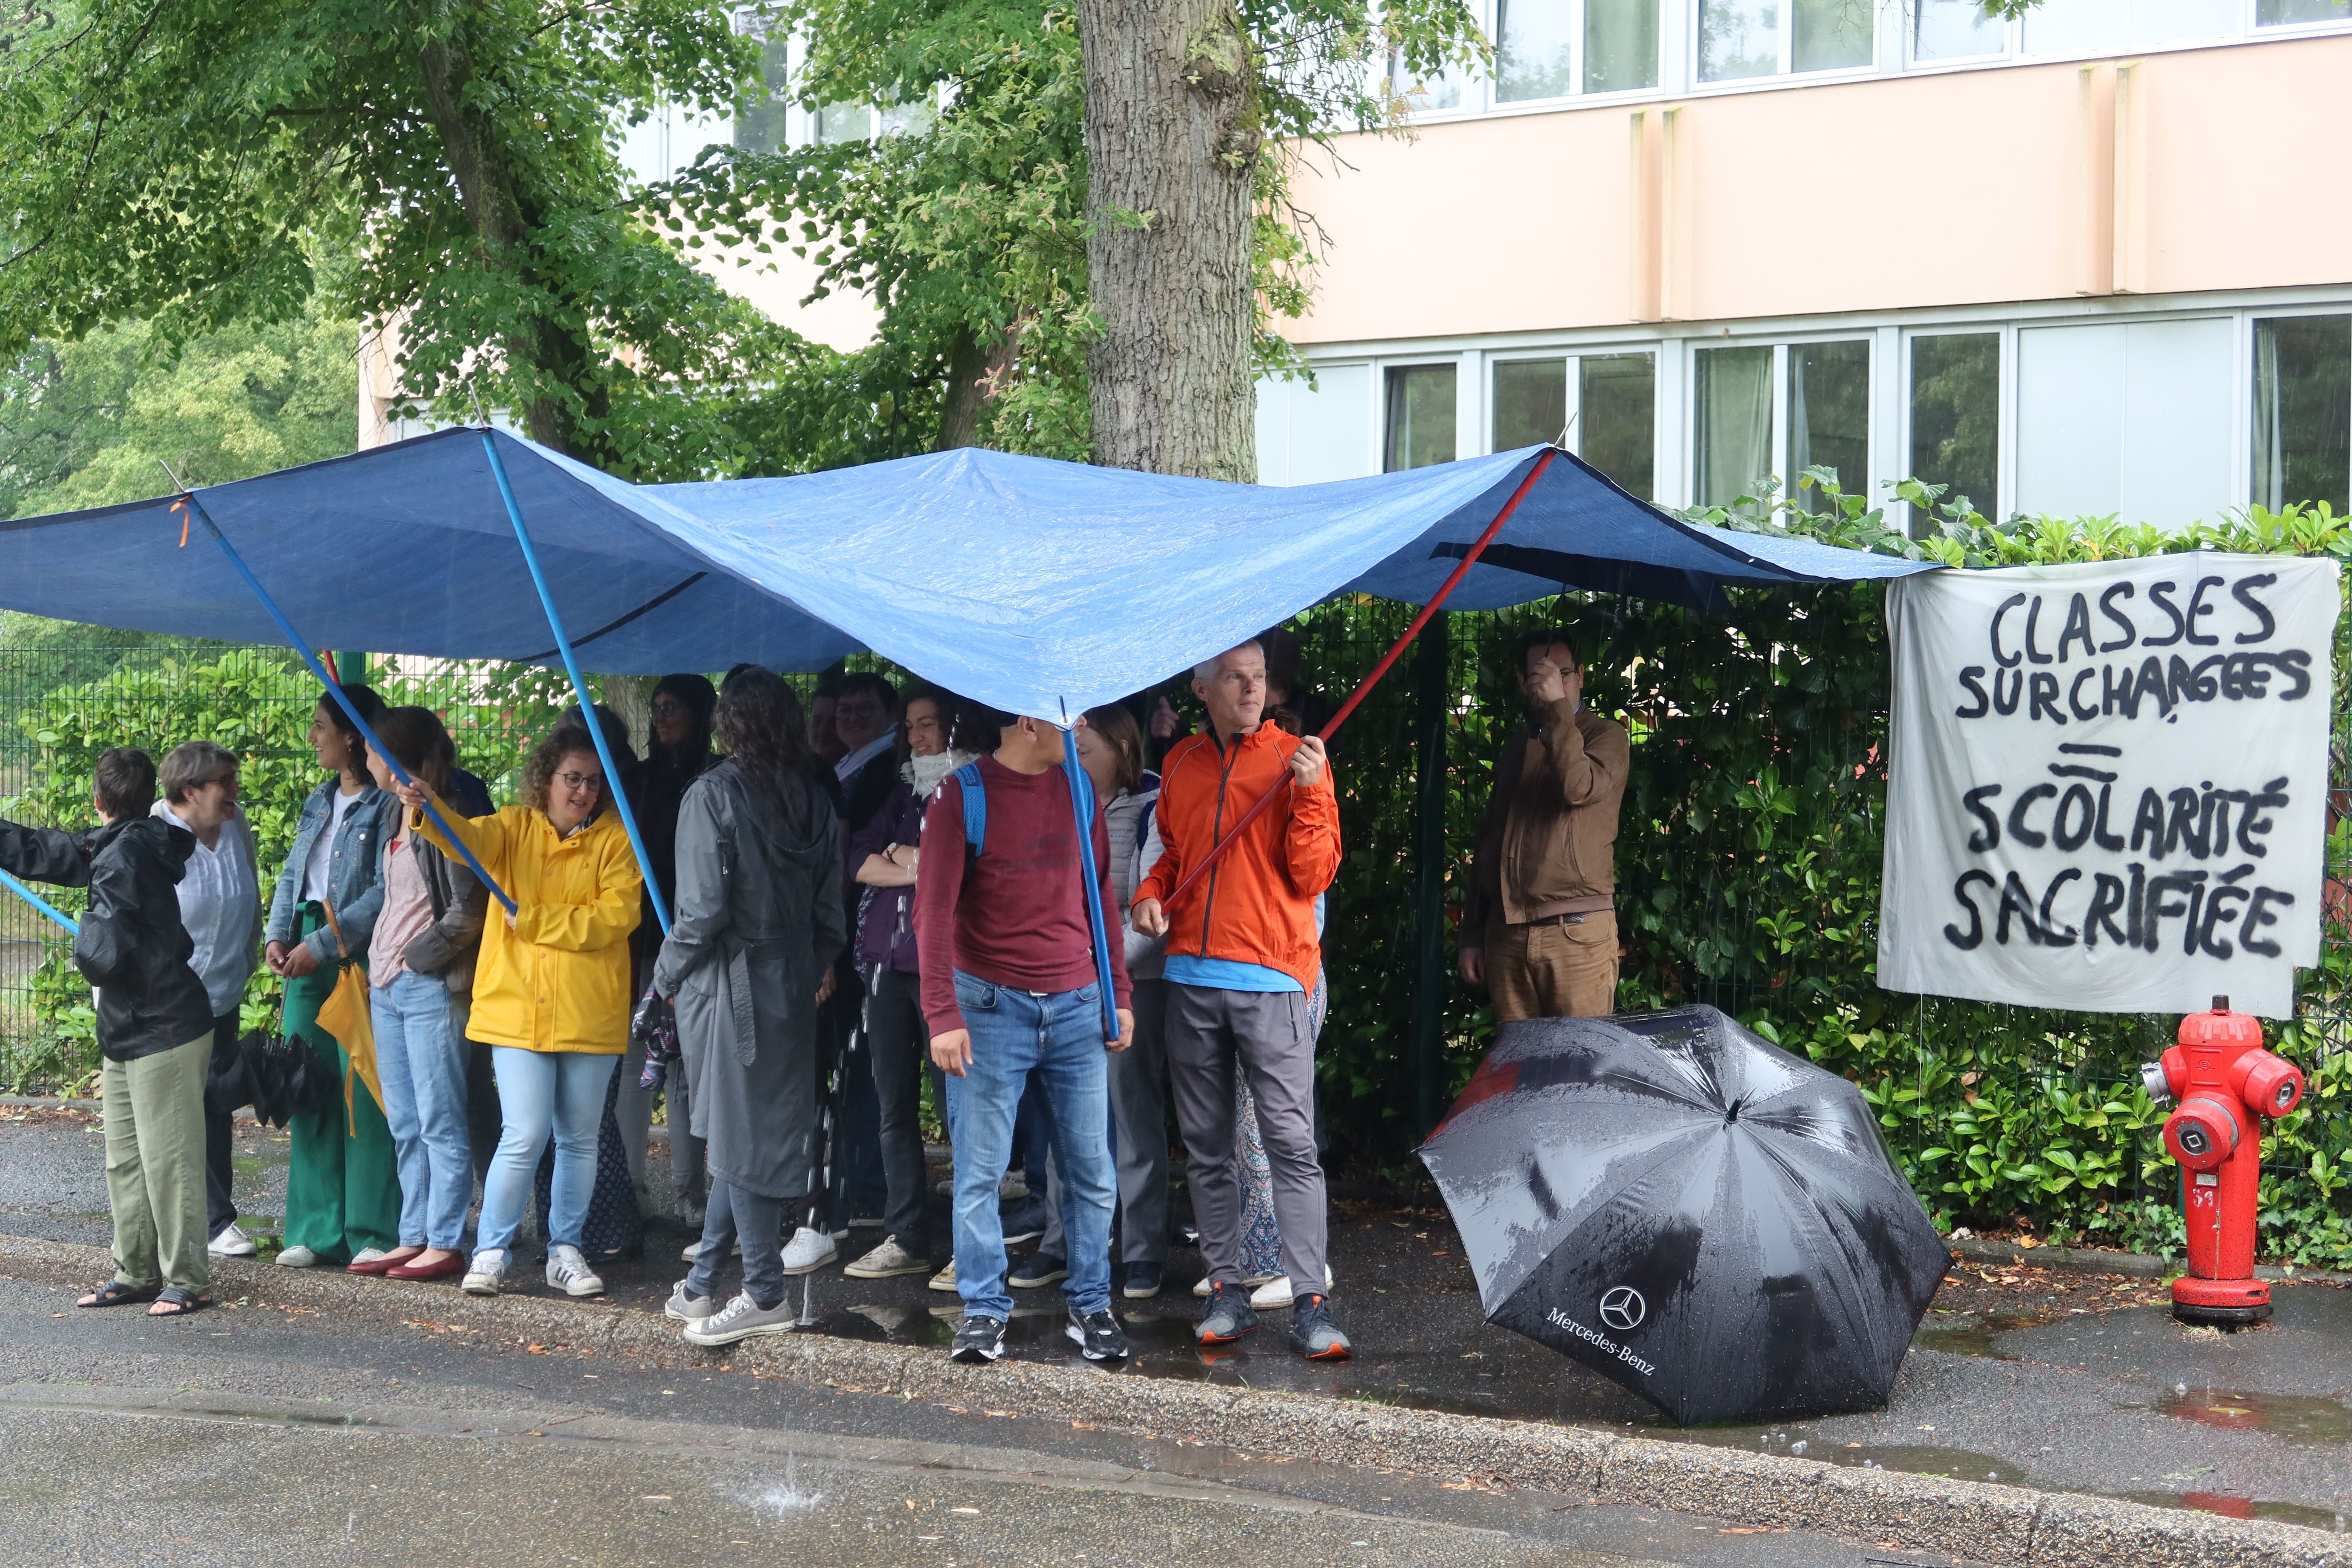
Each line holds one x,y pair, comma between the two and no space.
809,1250
486,1273
231,1242
1252,1281
945,1278
297,1257
1278,1292
739,1320
887,1261
568,1271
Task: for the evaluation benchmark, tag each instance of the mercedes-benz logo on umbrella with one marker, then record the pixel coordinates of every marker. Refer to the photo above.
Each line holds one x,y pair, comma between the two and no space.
1623,1308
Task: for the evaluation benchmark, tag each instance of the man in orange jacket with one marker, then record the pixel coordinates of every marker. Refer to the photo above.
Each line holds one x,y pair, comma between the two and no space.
1242,960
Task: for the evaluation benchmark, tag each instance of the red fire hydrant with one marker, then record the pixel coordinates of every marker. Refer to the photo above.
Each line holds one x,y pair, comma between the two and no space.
2226,1082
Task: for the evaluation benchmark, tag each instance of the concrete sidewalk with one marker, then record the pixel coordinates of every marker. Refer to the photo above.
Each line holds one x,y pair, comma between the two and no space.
2035,1386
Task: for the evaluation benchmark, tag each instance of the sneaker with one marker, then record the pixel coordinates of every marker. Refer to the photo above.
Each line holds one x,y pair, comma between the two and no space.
1142,1281
888,1261
1313,1334
945,1278
685,1308
1225,1316
694,1249
741,1318
568,1271
231,1242
978,1341
1249,1282
809,1250
297,1257
1278,1293
1097,1335
1025,1221
486,1273
690,1215
1043,1269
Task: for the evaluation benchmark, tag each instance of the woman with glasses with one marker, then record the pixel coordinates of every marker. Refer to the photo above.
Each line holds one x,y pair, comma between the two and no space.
551,992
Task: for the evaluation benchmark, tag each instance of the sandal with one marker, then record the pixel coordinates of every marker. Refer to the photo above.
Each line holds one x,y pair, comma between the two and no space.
115,1293
180,1300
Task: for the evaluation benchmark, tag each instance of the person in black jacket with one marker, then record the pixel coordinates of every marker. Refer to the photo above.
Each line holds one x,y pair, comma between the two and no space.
155,1028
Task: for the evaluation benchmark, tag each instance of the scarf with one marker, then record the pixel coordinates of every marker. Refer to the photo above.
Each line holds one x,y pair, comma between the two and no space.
925,773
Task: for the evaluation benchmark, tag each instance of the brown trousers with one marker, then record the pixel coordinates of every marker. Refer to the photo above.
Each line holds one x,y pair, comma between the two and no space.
1553,970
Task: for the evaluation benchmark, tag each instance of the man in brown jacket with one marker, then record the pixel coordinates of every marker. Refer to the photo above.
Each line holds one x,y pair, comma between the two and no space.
1540,928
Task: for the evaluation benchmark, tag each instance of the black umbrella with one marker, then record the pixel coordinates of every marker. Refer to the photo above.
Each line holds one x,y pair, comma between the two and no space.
1689,1210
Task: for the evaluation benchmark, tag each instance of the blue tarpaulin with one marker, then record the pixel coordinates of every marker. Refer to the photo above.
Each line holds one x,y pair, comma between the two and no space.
1039,587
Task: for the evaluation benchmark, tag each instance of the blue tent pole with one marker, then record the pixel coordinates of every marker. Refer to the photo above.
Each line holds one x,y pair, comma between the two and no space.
578,686
335,690
39,903
1082,809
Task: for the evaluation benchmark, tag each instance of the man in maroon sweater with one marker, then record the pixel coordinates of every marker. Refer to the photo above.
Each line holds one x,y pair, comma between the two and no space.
1008,985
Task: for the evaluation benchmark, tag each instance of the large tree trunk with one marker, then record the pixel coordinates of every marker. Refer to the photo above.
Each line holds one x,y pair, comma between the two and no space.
1172,145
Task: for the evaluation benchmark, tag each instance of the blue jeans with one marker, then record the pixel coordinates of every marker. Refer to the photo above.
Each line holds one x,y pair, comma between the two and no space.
538,1091
1059,1037
422,1064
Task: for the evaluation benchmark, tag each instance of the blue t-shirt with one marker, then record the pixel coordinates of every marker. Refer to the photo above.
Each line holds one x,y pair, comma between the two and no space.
1227,974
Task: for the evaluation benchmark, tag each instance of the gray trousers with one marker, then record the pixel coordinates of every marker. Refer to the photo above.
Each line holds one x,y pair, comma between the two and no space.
688,1172
1139,1110
1269,1034
757,1222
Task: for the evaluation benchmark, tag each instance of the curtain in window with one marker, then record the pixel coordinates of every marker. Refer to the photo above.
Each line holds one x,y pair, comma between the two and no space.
1735,421
1621,45
2303,410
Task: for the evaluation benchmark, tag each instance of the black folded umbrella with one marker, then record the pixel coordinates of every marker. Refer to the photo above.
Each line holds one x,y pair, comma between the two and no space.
1688,1209
288,1078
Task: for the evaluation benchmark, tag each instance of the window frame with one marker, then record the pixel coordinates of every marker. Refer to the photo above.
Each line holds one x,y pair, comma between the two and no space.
1785,69
1873,458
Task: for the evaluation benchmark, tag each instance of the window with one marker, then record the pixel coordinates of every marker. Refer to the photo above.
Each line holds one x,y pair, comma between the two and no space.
2286,13
1761,38
845,123
1605,404
1551,49
1617,420
2103,26
1733,391
1422,95
1421,416
1955,29
2129,418
1955,416
763,123
1829,416
1311,432
1530,402
2302,411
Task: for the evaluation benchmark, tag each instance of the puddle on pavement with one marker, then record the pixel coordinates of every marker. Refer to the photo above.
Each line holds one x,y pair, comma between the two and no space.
1972,1333
2302,1420
2230,1506
1797,1443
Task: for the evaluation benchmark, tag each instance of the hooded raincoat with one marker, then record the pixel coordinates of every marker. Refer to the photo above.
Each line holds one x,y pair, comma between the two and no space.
758,920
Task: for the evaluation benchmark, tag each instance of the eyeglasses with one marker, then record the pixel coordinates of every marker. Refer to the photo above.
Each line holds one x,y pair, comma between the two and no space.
590,781
869,709
667,708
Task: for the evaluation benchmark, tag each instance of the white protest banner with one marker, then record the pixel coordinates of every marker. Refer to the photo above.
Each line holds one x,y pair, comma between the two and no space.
2107,782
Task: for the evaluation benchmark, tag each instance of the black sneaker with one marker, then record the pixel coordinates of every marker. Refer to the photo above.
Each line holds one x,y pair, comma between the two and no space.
979,1340
1024,1220
1142,1281
1225,1316
1098,1336
1313,1334
1042,1269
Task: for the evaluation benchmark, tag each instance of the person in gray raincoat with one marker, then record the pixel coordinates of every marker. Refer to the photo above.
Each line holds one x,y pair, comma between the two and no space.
759,922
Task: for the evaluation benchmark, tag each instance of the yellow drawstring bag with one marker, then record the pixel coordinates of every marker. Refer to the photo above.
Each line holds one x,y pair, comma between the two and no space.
345,1014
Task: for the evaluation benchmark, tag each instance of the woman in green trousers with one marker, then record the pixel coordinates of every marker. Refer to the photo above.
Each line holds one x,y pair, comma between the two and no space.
342,1189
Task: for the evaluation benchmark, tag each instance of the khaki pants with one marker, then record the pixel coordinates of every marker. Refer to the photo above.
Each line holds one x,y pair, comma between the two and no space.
156,1164
1553,970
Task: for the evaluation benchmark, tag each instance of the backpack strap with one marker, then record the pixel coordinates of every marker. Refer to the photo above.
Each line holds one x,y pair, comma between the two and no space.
975,807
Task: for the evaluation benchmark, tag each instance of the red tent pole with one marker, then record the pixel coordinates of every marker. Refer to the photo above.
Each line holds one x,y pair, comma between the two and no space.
1436,603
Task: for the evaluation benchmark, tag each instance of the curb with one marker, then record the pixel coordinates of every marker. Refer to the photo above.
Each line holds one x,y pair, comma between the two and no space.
2096,1260
1969,1520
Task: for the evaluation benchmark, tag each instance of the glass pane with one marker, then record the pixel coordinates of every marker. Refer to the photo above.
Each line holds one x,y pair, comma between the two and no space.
1421,416
1831,35
1955,29
1617,416
1421,95
2302,411
1829,416
761,121
1530,402
1955,416
845,123
2101,26
1533,42
1737,37
1621,45
2277,13
913,119
1735,421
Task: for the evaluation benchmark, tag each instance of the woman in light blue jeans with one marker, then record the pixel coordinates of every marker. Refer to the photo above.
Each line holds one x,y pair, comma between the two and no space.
420,967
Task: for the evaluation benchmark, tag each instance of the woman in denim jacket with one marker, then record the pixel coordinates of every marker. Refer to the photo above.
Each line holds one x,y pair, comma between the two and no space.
343,1186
